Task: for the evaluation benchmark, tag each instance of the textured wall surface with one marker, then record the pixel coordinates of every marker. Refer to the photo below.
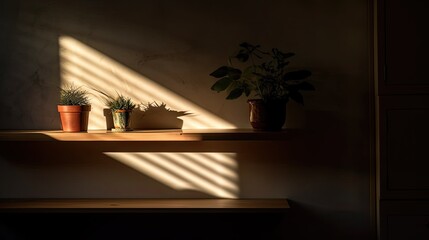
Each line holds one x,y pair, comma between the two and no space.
142,48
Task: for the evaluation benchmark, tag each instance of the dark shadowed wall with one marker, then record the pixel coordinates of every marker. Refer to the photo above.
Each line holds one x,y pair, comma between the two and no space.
325,171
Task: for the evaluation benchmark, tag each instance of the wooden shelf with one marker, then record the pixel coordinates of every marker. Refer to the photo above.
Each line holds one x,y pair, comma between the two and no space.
149,135
267,204
144,136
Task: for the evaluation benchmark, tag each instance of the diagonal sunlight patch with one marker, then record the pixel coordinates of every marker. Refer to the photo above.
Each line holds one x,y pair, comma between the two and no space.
83,65
211,173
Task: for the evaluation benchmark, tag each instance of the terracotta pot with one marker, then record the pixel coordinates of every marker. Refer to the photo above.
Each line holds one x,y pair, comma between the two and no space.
70,117
121,120
74,118
267,115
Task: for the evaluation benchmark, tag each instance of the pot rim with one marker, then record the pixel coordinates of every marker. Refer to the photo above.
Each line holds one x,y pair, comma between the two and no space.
69,108
121,110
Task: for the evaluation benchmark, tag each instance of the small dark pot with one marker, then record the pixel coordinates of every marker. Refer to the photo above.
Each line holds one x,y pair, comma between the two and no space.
267,115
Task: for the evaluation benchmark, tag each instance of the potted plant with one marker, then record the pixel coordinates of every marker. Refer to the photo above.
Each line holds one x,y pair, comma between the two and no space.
262,76
122,108
74,108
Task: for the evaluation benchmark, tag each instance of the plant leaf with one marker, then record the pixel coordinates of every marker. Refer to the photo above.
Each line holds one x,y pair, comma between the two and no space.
235,93
234,73
297,75
246,45
256,55
220,72
221,84
242,57
297,97
247,89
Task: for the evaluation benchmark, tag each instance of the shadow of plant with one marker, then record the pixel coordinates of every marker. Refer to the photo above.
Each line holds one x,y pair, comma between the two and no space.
153,115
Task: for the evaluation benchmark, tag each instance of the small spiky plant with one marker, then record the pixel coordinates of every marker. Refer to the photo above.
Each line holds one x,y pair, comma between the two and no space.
72,95
120,102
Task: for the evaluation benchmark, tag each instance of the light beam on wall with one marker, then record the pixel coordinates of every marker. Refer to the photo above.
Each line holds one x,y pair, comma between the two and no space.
211,173
83,65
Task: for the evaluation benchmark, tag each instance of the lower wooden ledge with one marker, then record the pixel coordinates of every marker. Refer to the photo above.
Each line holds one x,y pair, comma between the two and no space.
175,135
255,204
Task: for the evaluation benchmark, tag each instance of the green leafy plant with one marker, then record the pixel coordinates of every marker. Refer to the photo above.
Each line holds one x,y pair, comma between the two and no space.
72,95
261,74
119,102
